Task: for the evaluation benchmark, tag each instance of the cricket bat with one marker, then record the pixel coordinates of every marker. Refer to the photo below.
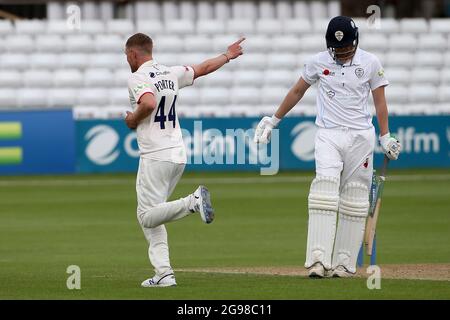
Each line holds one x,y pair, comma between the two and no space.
376,192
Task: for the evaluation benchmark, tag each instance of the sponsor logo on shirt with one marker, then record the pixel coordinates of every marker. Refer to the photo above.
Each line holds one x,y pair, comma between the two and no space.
359,72
140,87
328,72
381,73
154,74
331,94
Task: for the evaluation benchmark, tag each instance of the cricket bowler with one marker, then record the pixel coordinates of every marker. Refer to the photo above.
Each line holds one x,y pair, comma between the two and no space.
153,90
344,146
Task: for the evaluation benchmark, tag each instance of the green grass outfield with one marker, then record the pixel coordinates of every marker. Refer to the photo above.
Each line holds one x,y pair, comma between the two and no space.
49,223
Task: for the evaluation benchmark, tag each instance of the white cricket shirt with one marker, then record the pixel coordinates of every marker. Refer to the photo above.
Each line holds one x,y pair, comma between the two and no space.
343,90
159,135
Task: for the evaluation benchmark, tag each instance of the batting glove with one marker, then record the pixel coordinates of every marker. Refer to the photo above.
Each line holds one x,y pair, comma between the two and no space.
264,129
391,146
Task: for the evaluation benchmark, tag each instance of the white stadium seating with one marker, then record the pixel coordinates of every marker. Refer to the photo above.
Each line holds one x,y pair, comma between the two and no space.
57,64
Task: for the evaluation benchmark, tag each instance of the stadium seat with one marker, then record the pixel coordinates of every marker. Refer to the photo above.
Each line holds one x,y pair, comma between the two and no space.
442,108
320,25
297,27
397,94
313,43
92,97
444,93
50,43
19,43
38,78
107,60
423,93
257,44
198,44
269,26
98,77
189,96
445,76
244,10
32,98
273,95
240,26
74,60
179,27
88,112
251,61
414,25
279,78
283,10
8,98
118,96
389,26
318,9
399,59
169,10
431,42
10,79
397,75
402,42
191,59
287,44
169,44
168,59
425,76
220,43
6,27
121,77
245,95
375,41
148,10
222,10
301,10
220,78
210,27
214,96
93,26
115,112
439,25
248,78
44,61
205,10
447,58
282,61
428,59
79,43
109,43
61,97
55,11
68,78
150,27
266,10
33,27
187,10
59,27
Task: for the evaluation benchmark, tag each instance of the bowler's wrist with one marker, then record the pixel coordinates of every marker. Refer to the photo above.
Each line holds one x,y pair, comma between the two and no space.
275,121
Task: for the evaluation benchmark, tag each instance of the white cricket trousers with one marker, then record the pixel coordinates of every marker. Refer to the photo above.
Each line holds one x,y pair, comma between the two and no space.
346,154
155,182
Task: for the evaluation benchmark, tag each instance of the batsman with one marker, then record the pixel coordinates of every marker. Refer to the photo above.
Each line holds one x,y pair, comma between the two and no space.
338,200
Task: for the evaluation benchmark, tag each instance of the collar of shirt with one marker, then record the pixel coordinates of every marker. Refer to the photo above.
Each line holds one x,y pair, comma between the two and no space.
147,64
355,61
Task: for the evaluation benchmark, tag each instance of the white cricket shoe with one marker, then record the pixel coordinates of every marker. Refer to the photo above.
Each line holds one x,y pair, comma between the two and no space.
202,204
341,272
167,280
317,270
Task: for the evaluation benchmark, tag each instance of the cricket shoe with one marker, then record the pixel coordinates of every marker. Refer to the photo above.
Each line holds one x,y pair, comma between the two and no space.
317,270
167,280
341,272
202,204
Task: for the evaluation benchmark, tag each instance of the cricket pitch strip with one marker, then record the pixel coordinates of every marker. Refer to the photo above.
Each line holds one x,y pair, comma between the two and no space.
437,272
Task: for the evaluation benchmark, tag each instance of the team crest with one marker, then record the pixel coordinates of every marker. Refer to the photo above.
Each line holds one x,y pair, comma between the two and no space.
359,72
339,35
331,94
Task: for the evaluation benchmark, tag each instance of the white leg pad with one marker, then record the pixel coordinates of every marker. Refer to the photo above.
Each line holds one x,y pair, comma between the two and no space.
323,201
353,210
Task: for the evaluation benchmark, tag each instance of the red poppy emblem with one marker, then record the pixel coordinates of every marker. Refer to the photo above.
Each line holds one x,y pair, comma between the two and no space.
326,72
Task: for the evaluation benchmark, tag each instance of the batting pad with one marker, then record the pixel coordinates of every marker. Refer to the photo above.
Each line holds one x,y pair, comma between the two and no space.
323,201
353,210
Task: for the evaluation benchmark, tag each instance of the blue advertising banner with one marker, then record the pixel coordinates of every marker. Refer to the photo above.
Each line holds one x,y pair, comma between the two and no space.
35,142
226,144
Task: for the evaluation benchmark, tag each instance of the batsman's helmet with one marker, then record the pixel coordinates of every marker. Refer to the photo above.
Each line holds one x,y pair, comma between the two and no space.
341,32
